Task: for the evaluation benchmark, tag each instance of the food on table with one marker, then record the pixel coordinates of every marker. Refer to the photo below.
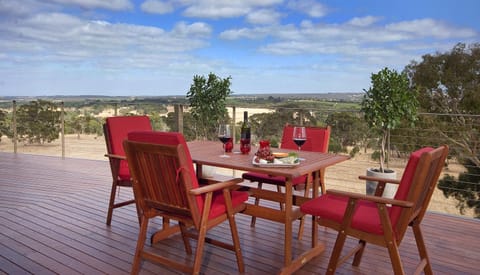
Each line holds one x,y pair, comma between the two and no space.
265,155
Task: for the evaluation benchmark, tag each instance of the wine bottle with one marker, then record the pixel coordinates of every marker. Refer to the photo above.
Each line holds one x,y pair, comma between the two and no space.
245,135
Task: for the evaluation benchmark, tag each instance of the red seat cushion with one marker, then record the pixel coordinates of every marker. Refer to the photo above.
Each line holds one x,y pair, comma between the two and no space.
174,138
218,202
366,217
406,181
332,207
118,127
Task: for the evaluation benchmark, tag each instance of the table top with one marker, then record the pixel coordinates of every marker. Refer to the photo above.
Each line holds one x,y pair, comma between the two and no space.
209,152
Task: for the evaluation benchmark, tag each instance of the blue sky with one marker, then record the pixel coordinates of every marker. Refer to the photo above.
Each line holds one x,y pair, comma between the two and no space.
153,47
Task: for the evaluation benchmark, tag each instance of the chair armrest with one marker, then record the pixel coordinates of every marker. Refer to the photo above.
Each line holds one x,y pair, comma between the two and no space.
371,198
215,186
113,156
394,181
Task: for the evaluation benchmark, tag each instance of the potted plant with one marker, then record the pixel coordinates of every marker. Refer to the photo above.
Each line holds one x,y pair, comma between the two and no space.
387,103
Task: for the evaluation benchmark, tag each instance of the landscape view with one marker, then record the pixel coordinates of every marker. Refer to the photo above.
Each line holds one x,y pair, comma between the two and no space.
268,129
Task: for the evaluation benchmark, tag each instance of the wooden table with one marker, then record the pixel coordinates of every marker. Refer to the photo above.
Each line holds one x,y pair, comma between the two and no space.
208,153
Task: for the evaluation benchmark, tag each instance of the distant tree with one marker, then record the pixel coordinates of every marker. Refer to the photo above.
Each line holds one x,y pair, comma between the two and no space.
466,189
188,129
207,99
348,129
270,125
4,128
449,83
158,122
38,122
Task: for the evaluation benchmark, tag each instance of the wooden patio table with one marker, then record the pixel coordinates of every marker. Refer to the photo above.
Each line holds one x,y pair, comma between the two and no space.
208,153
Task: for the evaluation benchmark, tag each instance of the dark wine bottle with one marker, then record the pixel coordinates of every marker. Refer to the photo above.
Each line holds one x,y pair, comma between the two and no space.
245,135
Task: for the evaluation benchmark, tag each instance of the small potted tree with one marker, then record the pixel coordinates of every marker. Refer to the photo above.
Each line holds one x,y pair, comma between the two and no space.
387,103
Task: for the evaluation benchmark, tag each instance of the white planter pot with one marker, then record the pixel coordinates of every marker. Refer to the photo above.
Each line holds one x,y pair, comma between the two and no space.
390,189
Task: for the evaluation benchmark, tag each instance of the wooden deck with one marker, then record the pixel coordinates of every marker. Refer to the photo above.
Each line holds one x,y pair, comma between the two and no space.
52,220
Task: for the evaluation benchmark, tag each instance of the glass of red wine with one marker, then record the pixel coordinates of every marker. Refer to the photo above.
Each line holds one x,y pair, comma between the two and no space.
224,134
299,136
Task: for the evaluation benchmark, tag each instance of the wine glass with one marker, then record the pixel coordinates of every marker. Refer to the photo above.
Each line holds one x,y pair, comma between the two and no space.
224,135
299,136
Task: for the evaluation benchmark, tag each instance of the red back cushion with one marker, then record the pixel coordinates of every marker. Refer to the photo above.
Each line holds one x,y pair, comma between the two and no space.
317,139
118,127
169,138
406,182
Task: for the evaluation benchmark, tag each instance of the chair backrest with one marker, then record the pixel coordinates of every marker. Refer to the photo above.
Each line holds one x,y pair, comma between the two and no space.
417,185
317,138
163,173
116,129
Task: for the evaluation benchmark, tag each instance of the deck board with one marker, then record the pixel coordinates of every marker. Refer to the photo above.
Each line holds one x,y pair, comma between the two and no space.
52,220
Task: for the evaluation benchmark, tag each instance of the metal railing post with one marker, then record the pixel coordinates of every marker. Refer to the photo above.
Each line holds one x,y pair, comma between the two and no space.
14,126
62,123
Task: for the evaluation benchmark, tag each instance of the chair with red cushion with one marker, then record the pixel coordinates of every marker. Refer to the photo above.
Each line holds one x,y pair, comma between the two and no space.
317,141
382,221
165,184
115,131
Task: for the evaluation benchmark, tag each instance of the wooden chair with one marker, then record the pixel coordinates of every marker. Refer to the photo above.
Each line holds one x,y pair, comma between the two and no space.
165,185
317,141
115,131
382,221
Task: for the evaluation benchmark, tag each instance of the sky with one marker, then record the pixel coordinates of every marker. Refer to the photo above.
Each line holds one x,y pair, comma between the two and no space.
155,48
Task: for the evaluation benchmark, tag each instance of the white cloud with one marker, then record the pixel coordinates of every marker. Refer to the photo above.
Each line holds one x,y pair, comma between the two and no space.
60,37
92,4
157,7
198,29
430,28
363,21
263,16
310,7
216,9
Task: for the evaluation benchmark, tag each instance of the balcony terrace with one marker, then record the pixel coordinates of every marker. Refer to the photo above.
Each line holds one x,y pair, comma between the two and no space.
52,220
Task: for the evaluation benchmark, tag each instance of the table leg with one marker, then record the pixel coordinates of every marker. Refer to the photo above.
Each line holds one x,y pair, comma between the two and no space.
288,221
317,248
316,184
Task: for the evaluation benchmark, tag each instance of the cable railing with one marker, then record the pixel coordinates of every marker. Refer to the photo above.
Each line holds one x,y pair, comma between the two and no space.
461,173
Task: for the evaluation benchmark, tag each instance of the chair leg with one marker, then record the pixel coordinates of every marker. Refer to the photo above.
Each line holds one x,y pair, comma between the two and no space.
301,226
111,202
186,241
337,250
236,242
279,190
358,255
395,257
257,202
422,249
142,234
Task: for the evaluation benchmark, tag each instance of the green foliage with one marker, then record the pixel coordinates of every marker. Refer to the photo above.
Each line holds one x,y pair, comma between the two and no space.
466,189
348,129
4,128
207,99
188,129
386,103
38,122
449,83
77,123
157,121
